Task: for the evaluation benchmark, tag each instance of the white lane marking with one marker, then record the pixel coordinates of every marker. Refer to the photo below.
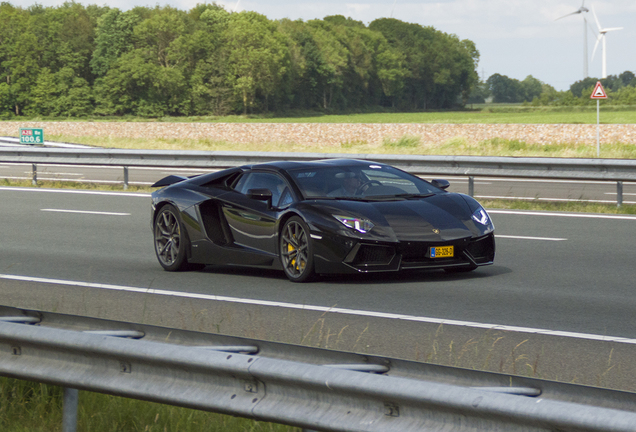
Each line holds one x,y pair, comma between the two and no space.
323,309
530,238
56,173
551,199
520,180
573,215
615,193
69,166
57,179
136,168
74,191
85,212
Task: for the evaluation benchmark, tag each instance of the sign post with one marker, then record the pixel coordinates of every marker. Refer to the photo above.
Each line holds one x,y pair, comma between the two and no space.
31,136
598,94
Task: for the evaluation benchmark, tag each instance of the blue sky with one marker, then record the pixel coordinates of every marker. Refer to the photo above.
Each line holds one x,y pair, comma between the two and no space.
514,37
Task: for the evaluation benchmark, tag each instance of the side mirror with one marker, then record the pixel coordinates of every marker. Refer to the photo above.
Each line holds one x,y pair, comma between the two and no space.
260,194
442,184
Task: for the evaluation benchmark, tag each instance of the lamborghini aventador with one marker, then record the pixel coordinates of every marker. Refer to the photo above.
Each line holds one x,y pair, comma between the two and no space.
320,217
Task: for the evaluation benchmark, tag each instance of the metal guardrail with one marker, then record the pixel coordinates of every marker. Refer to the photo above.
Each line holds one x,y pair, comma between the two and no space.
617,170
300,386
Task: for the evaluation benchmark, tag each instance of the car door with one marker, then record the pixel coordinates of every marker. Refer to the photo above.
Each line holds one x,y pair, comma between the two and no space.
253,222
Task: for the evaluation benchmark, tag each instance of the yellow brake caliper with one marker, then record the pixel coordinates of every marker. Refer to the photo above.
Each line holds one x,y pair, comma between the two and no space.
290,249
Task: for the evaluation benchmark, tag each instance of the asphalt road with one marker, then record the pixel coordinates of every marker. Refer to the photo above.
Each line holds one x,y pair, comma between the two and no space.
560,283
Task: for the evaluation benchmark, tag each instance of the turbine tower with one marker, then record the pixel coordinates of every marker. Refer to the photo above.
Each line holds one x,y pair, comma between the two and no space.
581,11
601,35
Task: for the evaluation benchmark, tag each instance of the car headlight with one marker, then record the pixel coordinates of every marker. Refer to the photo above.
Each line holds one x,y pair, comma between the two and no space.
358,224
480,216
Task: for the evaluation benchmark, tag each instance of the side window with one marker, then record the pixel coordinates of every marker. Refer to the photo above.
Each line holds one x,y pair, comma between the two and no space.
261,180
241,183
285,198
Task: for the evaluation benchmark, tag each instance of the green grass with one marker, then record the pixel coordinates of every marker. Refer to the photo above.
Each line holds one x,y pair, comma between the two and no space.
33,407
74,185
482,113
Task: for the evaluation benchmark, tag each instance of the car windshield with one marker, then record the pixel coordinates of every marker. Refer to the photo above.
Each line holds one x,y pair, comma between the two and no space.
357,181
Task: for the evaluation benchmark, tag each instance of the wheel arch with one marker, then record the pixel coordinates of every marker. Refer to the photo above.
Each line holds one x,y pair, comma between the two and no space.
281,224
158,207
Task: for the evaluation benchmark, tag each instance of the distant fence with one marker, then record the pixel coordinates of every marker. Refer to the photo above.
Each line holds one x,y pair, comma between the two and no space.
300,386
615,170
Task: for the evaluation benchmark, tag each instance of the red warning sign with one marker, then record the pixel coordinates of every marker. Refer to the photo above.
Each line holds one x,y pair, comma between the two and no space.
599,92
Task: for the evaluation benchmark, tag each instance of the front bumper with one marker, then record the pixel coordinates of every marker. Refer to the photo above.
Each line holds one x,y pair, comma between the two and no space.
339,255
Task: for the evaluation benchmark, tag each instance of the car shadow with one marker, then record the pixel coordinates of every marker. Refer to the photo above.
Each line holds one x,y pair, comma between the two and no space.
408,276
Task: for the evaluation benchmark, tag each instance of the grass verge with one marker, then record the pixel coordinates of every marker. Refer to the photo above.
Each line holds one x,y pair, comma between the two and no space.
33,407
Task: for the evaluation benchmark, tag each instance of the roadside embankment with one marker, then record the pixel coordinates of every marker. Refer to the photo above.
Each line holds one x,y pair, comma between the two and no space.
334,134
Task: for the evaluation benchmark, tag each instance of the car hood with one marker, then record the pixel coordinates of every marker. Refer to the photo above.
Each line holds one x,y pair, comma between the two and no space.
442,217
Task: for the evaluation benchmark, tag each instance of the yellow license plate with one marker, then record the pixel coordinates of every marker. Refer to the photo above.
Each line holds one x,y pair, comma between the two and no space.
442,252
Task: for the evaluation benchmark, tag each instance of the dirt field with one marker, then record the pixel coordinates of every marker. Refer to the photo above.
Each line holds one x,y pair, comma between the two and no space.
334,134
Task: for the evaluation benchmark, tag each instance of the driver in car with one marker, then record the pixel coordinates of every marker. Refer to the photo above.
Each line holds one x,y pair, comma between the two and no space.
350,184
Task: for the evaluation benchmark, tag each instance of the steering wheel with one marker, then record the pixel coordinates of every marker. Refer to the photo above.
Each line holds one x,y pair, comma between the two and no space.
364,186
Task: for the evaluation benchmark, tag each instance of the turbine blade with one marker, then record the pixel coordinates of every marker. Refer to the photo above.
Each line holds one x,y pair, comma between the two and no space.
596,19
612,29
598,39
573,13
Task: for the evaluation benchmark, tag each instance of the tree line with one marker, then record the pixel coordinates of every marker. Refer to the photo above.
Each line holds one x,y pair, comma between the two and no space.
621,90
76,60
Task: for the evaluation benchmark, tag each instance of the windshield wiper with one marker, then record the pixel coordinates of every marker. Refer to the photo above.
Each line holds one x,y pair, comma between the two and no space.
358,198
411,196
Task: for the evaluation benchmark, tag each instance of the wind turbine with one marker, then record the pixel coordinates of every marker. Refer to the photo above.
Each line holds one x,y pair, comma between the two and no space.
581,11
393,8
601,35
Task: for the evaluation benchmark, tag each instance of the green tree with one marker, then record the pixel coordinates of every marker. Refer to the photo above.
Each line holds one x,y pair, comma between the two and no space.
441,67
135,85
628,78
479,93
204,58
505,89
577,88
114,37
329,62
19,55
531,88
257,58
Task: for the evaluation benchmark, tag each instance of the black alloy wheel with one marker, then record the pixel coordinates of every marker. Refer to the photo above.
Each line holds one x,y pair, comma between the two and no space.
296,250
170,241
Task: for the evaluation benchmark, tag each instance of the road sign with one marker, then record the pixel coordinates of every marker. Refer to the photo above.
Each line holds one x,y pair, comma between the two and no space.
599,92
31,136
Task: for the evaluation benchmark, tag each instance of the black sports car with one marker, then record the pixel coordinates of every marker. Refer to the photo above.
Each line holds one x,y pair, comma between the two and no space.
327,216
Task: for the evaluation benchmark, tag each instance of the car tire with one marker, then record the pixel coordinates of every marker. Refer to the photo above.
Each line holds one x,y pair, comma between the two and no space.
170,239
296,250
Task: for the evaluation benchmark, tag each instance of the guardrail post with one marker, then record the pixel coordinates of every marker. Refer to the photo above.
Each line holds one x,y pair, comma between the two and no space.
471,186
34,174
69,414
619,193
125,177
